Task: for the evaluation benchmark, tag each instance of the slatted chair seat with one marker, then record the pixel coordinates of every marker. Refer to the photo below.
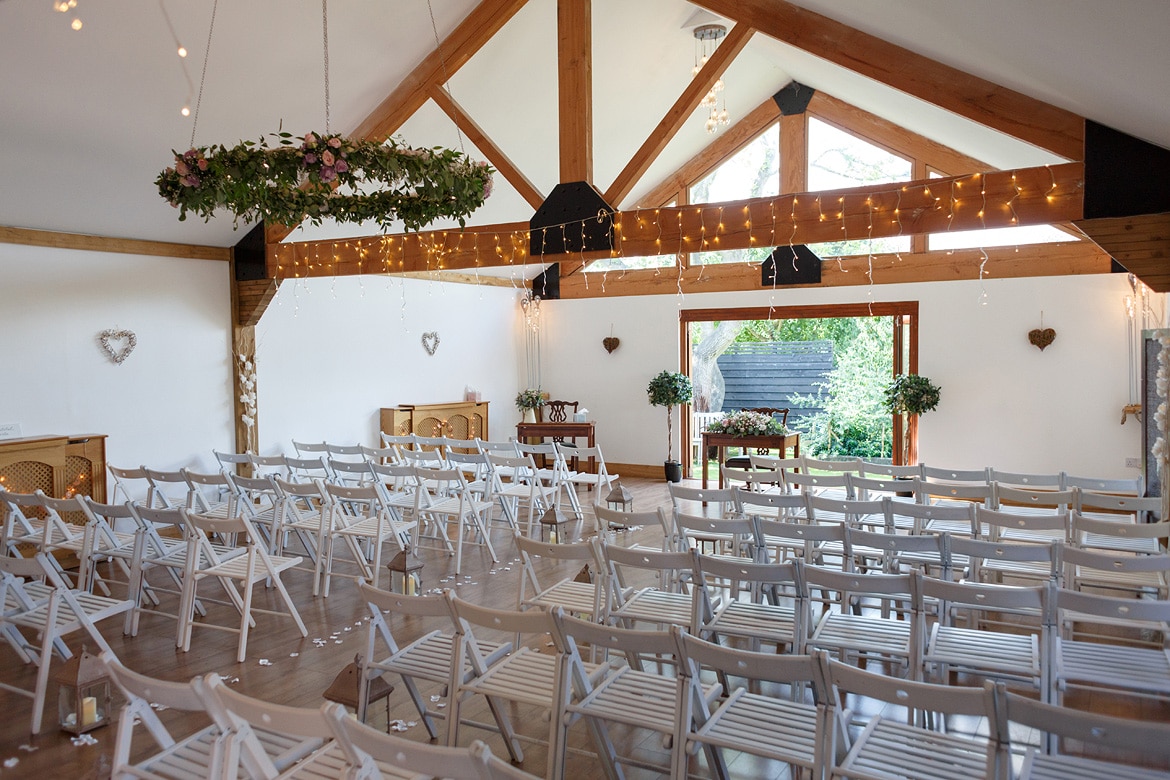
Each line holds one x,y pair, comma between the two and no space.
583,597
893,747
1142,575
757,609
664,604
845,633
890,749
1103,734
1106,663
765,726
1019,654
1038,766
1118,533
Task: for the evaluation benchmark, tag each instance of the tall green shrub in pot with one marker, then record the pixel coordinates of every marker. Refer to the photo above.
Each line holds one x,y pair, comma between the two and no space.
670,389
911,395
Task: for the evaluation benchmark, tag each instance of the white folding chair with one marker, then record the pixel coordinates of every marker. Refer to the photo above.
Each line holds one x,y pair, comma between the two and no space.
445,501
893,746
974,648
582,592
243,571
645,587
629,695
702,501
850,629
384,755
1135,738
516,484
132,483
169,489
201,753
427,658
790,729
357,516
273,740
49,613
526,675
1144,576
759,603
1107,661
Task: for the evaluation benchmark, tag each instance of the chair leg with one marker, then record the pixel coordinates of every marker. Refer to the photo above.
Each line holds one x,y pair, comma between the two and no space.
245,620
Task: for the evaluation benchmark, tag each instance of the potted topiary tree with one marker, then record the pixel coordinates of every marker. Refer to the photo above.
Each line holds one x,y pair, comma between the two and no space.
911,395
670,389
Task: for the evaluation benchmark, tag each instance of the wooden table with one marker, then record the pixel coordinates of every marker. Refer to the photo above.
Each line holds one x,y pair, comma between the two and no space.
721,441
558,431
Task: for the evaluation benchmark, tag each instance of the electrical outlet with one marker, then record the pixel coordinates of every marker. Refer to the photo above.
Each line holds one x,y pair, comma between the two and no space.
1133,463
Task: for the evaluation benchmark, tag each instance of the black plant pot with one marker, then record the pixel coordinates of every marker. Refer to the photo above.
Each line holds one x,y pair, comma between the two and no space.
673,471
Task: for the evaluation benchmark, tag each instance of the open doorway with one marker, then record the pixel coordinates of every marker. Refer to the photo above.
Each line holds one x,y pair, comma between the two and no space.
827,365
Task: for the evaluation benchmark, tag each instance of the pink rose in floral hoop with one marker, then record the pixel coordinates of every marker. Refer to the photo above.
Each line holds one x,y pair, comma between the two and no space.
310,139
202,163
181,168
327,157
335,142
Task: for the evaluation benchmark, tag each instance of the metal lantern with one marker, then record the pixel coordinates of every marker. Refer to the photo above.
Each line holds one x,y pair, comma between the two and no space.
346,689
554,525
405,576
83,700
620,499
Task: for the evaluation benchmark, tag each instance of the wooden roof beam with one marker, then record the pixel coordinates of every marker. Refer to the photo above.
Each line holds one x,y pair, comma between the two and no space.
1039,123
494,154
575,89
1063,259
687,102
437,67
725,145
1027,196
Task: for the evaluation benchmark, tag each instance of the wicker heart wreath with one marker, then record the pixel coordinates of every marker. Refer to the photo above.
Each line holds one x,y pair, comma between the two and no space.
126,342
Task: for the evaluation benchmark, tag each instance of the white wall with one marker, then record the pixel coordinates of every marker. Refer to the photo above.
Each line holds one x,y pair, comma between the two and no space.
331,353
1004,402
168,404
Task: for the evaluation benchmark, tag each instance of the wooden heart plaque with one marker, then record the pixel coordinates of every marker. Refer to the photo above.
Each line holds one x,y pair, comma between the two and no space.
610,343
1041,337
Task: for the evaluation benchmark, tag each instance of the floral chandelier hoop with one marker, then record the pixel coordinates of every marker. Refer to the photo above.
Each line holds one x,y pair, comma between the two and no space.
321,178
326,176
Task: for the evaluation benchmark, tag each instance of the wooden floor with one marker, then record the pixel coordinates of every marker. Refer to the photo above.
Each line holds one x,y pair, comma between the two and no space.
285,668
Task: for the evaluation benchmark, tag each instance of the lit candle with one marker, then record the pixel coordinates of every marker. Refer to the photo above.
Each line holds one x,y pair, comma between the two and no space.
409,585
88,711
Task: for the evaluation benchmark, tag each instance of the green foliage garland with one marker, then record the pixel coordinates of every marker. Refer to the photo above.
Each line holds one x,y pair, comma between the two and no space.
320,177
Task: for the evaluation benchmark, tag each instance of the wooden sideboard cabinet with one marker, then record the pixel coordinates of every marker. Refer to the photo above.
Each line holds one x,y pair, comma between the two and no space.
62,466
459,420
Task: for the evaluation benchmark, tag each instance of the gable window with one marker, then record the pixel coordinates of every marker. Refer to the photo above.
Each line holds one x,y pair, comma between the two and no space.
752,172
836,160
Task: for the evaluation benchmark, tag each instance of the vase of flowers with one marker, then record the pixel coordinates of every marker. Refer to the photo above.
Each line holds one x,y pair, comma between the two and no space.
911,395
670,389
528,401
745,423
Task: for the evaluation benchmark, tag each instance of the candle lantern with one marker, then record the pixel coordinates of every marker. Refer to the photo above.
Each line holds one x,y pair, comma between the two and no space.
346,689
554,526
405,573
83,698
620,499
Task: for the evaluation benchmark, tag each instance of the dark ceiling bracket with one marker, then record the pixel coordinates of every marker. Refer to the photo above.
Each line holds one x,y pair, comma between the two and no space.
250,256
792,99
796,264
573,218
1124,176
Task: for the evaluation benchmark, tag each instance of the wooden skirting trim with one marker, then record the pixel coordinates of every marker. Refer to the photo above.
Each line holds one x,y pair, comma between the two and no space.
638,470
125,246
